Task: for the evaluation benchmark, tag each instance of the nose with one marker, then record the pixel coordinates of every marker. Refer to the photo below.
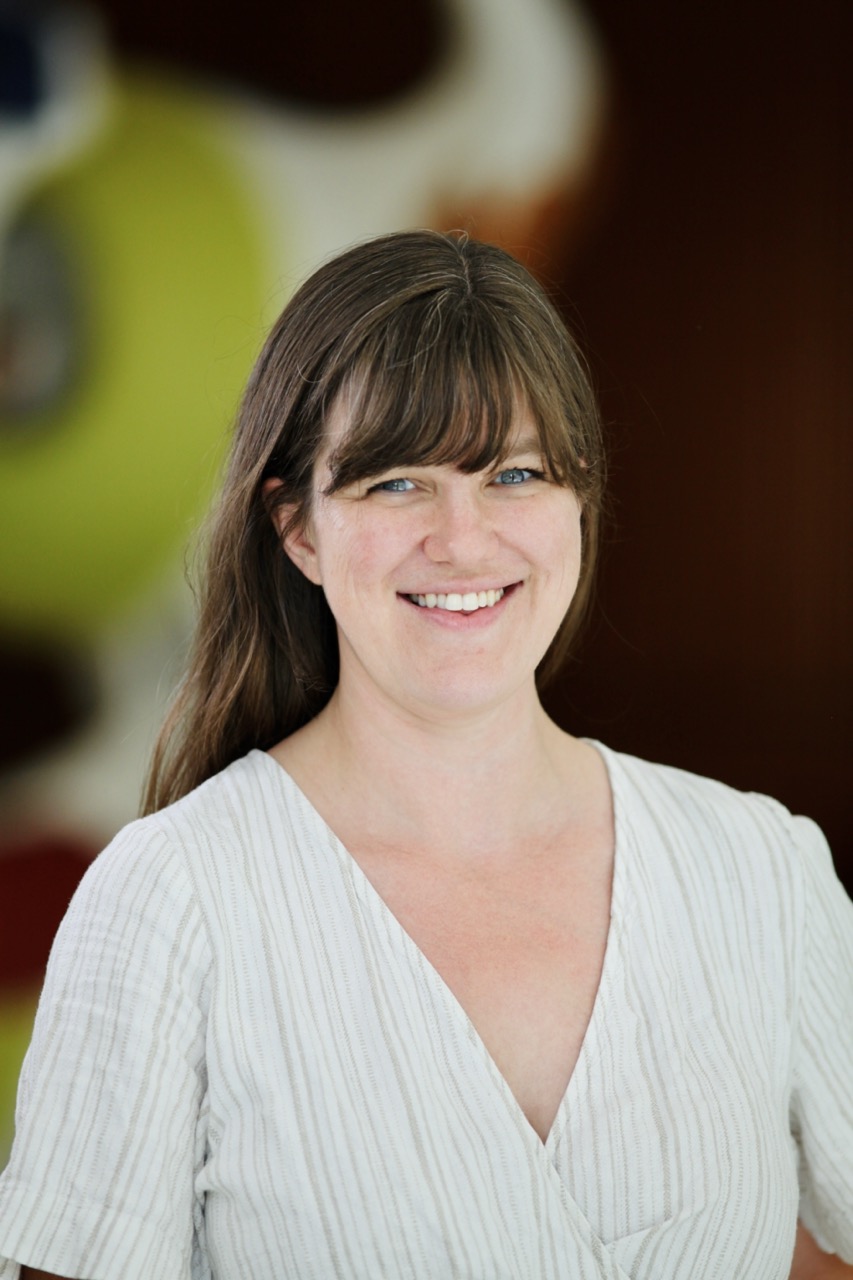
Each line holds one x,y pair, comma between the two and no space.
462,531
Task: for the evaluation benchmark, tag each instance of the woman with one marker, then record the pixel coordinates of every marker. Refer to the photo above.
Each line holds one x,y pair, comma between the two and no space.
397,978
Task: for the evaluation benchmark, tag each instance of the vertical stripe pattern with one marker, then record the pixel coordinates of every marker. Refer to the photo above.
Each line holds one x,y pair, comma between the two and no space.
243,1066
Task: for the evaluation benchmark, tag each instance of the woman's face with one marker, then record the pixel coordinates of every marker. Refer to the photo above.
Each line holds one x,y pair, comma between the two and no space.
446,588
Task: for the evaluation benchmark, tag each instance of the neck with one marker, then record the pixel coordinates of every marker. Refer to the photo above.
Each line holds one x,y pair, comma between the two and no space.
479,782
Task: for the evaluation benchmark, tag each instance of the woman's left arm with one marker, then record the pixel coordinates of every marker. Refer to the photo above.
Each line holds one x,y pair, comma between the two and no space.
821,1102
811,1263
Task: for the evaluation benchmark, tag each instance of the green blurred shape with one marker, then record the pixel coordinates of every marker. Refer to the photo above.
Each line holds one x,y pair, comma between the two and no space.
17,1013
101,491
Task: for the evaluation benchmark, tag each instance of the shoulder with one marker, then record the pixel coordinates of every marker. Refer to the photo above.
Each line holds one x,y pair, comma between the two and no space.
685,800
737,879
168,860
736,839
231,810
225,801
682,798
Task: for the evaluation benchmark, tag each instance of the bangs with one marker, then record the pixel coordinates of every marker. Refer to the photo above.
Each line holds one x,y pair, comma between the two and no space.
442,389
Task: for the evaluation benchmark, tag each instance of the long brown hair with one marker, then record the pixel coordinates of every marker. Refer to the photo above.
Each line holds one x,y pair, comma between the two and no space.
434,339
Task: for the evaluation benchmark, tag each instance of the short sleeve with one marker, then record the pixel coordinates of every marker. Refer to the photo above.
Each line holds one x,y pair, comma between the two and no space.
109,1138
822,1098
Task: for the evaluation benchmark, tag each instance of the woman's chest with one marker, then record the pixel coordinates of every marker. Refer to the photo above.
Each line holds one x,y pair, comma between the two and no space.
522,956
355,1104
364,1131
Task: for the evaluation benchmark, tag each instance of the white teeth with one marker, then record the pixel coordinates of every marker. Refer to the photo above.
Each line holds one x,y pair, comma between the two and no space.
455,602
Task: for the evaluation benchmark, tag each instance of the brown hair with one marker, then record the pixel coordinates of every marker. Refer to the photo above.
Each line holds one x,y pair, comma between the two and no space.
434,339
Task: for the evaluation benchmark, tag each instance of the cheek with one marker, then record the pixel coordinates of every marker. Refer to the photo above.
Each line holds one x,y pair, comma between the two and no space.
562,540
569,574
357,555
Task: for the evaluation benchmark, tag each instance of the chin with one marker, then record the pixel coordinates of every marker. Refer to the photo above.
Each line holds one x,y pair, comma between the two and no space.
461,693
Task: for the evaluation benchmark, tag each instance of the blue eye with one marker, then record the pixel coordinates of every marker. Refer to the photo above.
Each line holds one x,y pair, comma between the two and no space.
398,485
516,475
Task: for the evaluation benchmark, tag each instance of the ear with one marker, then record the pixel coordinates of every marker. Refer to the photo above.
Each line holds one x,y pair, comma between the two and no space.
297,541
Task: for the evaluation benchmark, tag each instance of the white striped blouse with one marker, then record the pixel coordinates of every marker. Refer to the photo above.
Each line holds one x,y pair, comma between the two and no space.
244,1068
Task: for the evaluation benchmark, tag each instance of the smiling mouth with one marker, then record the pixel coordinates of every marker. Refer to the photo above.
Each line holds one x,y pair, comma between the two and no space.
456,602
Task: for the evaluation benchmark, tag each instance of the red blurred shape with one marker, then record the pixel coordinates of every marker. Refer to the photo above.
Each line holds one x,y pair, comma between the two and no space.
38,875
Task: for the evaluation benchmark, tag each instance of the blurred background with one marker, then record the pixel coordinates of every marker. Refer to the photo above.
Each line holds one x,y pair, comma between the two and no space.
678,176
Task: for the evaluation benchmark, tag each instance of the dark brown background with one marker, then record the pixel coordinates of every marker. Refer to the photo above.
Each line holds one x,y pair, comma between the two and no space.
715,291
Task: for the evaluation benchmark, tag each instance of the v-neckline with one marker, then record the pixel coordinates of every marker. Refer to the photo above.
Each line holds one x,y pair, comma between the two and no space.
372,900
